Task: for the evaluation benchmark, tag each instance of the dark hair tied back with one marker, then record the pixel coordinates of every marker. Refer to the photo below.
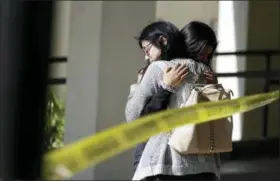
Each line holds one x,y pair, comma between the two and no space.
198,35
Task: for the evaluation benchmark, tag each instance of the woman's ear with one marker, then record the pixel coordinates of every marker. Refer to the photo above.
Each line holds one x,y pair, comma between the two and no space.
163,40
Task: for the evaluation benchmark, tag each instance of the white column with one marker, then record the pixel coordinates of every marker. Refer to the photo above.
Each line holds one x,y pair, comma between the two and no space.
232,36
83,73
60,31
59,48
103,61
120,59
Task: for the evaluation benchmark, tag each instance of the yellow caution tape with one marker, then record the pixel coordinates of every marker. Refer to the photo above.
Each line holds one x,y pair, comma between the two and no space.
65,162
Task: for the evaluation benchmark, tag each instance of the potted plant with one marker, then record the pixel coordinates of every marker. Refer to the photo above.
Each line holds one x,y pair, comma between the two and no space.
54,127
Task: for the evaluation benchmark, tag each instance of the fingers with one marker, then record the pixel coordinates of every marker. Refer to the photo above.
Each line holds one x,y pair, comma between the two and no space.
176,74
180,70
177,69
177,66
168,69
183,71
209,74
210,77
184,76
181,79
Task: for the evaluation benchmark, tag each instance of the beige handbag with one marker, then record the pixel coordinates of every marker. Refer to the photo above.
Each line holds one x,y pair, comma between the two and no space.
210,137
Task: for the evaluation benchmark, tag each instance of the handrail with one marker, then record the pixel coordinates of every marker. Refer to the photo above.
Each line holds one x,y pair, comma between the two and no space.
267,74
252,74
250,52
61,59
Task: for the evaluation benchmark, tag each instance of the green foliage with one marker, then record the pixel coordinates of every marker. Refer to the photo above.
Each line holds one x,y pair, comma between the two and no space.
54,127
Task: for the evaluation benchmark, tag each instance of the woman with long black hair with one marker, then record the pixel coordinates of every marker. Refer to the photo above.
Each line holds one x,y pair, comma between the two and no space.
162,79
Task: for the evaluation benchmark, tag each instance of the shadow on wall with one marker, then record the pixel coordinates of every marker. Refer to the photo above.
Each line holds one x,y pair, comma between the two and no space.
263,33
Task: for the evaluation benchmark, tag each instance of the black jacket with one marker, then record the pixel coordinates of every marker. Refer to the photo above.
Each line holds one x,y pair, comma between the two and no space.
157,102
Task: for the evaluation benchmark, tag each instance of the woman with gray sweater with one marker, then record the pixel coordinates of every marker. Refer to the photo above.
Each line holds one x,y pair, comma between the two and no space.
159,161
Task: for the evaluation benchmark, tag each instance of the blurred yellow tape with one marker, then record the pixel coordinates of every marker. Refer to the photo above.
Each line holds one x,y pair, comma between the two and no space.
73,158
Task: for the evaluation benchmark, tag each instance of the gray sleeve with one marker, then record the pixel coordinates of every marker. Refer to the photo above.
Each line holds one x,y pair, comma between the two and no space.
133,87
148,86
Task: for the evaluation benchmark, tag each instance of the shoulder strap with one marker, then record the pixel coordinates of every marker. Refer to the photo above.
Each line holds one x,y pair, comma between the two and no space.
141,74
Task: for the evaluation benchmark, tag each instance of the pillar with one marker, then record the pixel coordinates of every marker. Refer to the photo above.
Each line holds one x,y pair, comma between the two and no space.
232,36
103,61
59,48
244,25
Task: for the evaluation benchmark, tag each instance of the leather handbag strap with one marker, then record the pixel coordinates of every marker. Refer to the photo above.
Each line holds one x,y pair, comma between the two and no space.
214,86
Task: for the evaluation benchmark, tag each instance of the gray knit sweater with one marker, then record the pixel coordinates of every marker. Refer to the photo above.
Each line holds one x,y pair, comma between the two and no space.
158,157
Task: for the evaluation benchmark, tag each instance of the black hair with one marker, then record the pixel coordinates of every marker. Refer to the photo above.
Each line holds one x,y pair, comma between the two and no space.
197,35
175,47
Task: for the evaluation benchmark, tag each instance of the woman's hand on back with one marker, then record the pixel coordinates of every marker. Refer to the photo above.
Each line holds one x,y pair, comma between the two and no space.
174,76
211,77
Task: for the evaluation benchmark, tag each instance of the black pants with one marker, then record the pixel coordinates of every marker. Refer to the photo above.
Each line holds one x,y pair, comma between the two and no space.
137,155
195,177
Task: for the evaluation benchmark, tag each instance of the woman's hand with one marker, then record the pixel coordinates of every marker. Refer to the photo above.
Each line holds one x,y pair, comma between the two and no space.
173,76
211,77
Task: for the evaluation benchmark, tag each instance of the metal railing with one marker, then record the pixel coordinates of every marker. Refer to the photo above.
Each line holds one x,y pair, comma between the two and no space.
57,81
272,77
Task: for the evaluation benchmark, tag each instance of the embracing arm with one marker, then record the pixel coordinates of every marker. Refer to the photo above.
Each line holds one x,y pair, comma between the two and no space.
148,87
157,102
173,77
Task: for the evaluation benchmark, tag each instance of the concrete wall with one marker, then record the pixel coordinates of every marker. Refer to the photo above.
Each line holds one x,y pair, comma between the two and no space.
103,59
60,40
263,33
119,62
83,72
181,12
